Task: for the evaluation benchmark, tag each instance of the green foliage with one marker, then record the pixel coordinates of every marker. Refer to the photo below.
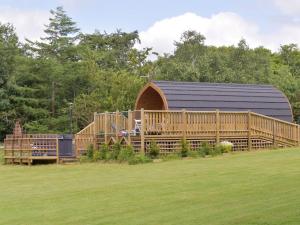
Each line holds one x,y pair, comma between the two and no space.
104,151
193,154
154,150
90,152
96,156
170,157
204,149
216,151
103,72
139,159
115,151
185,148
126,154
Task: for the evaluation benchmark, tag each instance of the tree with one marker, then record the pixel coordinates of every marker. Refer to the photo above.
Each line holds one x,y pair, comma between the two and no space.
9,51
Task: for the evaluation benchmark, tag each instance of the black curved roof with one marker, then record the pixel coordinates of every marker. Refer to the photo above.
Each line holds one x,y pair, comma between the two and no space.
194,96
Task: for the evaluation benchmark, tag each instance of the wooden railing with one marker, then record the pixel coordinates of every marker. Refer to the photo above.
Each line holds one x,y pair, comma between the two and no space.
215,126
28,147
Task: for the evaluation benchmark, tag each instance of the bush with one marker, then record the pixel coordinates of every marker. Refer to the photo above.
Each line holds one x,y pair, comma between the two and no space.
84,159
185,148
139,159
90,152
193,154
96,156
126,154
154,150
217,150
116,148
104,150
204,149
171,157
226,146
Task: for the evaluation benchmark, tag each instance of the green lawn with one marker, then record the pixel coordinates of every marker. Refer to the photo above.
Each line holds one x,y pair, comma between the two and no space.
243,188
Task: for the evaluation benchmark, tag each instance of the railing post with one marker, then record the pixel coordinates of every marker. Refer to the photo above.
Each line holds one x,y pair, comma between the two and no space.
249,131
117,123
184,124
129,126
217,126
142,132
298,135
105,127
273,131
95,130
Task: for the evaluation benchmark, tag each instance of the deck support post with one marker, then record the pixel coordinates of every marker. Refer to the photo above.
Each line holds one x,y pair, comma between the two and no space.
129,126
184,124
217,126
105,127
142,132
249,131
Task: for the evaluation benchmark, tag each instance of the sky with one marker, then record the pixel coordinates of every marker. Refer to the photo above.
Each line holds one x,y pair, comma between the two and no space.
270,23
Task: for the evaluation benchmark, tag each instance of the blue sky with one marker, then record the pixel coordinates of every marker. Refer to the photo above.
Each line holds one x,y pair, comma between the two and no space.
223,22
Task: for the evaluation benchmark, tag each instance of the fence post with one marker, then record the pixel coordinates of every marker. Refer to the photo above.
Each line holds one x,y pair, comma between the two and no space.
274,138
184,124
298,135
105,127
142,132
57,151
129,126
249,131
117,123
217,126
95,130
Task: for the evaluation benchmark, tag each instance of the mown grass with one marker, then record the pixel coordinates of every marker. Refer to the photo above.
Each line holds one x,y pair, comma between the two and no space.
242,188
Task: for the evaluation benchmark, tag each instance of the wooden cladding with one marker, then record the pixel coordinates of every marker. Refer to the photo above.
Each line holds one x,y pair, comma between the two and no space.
247,130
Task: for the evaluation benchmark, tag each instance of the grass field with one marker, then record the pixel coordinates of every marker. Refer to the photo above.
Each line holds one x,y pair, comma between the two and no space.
243,188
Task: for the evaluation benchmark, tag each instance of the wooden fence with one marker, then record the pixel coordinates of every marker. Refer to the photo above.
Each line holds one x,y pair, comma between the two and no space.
29,147
246,130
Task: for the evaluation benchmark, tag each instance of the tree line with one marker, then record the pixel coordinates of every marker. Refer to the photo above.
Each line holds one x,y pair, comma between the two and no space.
42,82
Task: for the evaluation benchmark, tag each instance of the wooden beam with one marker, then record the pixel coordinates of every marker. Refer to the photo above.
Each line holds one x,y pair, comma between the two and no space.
105,127
142,132
184,123
249,131
57,151
217,126
129,126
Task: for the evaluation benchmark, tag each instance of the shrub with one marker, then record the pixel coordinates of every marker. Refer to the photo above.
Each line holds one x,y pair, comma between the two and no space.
217,150
139,159
154,150
126,154
226,146
185,148
90,152
193,154
96,156
171,157
204,149
83,159
104,150
116,148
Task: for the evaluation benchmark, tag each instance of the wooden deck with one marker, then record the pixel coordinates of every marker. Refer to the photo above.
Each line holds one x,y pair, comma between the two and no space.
246,130
27,148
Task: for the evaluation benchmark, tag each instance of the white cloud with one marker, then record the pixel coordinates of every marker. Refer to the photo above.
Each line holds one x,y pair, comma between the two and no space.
225,28
290,7
28,23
